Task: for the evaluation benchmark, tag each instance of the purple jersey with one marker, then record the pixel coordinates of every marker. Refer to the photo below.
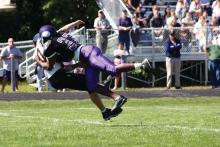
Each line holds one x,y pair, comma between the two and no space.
63,47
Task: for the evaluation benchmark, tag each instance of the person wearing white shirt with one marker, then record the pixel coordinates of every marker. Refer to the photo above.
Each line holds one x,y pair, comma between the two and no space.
6,56
102,26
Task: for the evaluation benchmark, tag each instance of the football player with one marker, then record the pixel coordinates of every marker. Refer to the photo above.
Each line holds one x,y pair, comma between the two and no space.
59,79
58,46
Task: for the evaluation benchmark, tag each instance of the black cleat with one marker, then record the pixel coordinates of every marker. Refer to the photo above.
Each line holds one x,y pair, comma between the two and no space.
107,115
116,111
119,102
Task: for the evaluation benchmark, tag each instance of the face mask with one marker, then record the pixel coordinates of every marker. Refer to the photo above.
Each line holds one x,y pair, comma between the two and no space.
45,44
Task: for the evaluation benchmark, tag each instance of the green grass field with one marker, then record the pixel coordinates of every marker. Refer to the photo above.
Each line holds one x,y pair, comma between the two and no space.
157,122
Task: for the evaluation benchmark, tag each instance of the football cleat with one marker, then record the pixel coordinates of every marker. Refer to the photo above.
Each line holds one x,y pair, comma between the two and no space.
119,103
116,112
107,115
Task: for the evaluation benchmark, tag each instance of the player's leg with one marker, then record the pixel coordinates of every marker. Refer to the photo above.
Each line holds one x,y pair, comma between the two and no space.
92,55
106,112
61,80
92,80
145,65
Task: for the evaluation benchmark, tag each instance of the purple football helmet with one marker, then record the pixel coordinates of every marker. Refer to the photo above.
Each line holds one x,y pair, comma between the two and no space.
47,31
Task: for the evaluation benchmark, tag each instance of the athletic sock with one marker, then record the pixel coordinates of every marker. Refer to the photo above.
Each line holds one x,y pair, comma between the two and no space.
137,65
103,110
117,98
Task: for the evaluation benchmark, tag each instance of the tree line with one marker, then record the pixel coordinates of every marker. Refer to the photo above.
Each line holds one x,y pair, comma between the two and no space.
30,15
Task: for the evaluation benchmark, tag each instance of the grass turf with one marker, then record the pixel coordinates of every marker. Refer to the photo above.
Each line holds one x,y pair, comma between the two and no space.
145,122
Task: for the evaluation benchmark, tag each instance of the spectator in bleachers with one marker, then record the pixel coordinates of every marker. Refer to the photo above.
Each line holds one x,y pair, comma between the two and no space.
205,4
140,18
135,31
214,3
134,5
172,27
185,38
214,30
150,16
173,61
174,22
180,10
6,55
214,21
157,23
102,26
195,9
124,26
216,10
188,21
170,19
206,17
199,30
167,13
213,52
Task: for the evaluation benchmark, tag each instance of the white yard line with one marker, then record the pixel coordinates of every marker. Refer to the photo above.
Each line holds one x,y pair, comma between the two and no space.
96,122
4,114
81,121
192,129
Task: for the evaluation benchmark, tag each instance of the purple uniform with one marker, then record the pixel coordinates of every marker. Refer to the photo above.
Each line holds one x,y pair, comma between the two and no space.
64,47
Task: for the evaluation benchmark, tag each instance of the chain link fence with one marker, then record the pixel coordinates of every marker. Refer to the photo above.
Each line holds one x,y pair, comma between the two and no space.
152,40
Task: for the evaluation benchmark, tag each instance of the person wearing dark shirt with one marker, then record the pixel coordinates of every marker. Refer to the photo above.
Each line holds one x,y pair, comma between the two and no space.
124,27
156,22
134,4
173,62
150,16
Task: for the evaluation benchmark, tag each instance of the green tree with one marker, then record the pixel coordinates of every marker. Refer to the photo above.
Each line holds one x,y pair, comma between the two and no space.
29,15
59,12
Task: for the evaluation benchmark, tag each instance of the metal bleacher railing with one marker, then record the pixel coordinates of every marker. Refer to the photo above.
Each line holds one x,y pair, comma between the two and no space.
151,45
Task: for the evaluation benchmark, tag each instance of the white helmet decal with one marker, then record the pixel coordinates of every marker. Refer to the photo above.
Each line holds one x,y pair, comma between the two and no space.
45,34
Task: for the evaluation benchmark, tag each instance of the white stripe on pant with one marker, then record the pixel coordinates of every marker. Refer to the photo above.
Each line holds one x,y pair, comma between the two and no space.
173,67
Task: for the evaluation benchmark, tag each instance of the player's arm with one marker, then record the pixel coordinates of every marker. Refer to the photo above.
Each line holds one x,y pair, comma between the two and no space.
47,64
5,56
67,27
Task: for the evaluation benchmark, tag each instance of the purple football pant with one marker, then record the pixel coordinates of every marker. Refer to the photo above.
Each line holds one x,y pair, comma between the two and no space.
95,62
